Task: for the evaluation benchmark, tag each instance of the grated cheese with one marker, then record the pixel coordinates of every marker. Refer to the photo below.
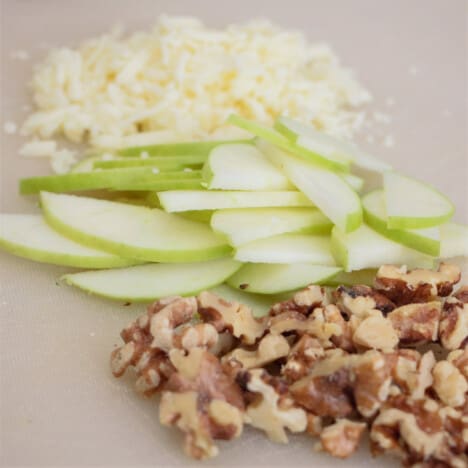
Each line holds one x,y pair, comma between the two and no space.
180,81
38,149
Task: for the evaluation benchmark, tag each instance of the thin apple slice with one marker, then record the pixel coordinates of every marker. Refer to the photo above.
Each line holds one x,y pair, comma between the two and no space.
160,185
258,223
353,278
145,283
326,189
163,163
202,216
454,240
192,200
412,204
177,149
147,234
29,236
86,164
304,136
365,248
268,278
424,240
287,248
355,182
100,180
276,138
260,304
242,167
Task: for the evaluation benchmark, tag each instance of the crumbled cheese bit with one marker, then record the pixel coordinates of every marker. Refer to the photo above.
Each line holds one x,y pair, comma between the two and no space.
107,157
187,169
144,155
155,170
10,127
38,149
180,80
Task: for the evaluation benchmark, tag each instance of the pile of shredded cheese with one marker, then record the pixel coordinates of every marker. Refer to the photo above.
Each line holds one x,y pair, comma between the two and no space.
180,81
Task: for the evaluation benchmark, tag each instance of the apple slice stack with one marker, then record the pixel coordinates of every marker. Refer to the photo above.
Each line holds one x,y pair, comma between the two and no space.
265,216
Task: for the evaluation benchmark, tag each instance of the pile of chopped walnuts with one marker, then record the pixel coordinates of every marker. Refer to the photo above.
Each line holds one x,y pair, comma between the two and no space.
391,360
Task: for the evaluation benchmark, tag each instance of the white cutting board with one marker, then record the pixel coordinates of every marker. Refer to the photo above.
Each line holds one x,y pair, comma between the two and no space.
59,404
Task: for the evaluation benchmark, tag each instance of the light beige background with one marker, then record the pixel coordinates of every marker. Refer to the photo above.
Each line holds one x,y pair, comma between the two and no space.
59,405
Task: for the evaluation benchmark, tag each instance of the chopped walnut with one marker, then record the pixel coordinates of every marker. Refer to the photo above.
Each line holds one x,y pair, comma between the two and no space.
449,384
202,401
304,301
301,358
372,382
404,287
462,294
236,318
453,327
459,359
341,439
270,348
360,300
271,411
416,323
376,332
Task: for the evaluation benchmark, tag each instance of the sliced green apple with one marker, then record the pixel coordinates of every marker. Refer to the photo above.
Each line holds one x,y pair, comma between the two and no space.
276,138
192,200
355,182
242,167
202,216
86,164
365,248
29,236
412,204
144,283
424,240
124,179
163,163
454,240
160,185
287,248
268,278
326,189
353,278
147,234
305,136
258,223
177,149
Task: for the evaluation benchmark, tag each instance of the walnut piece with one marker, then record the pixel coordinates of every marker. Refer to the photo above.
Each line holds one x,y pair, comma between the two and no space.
341,439
302,357
416,323
304,301
449,384
202,401
270,348
453,327
376,332
404,287
231,316
272,412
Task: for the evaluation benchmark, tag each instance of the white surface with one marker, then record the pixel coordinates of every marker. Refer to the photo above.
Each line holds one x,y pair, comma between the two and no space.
60,406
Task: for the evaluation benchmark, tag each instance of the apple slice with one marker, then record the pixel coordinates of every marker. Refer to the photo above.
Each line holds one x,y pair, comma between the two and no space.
365,248
192,200
412,204
355,182
202,216
258,223
160,185
306,137
163,163
424,240
177,149
287,248
29,236
242,167
147,234
454,240
326,189
144,283
268,278
87,164
276,138
353,278
100,180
